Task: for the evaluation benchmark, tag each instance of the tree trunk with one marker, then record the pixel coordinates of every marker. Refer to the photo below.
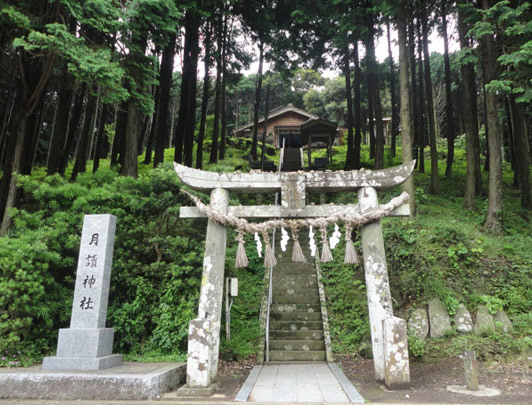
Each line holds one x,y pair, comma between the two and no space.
449,127
434,174
413,90
213,158
406,132
188,85
357,115
14,161
146,124
494,218
10,104
393,97
421,100
373,88
223,106
161,125
100,139
153,131
59,135
120,129
204,99
85,138
258,92
522,153
371,123
128,151
347,75
469,101
73,125
190,123
32,85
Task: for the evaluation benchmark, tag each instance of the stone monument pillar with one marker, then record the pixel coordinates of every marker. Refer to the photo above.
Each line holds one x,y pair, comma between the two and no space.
88,344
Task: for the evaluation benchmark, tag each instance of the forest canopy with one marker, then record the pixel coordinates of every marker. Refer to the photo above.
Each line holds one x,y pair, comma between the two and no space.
88,80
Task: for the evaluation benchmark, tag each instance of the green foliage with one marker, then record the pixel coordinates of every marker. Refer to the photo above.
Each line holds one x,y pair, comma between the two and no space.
156,266
347,306
417,348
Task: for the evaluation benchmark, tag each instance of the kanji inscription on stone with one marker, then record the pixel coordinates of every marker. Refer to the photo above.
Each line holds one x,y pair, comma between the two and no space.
88,344
91,293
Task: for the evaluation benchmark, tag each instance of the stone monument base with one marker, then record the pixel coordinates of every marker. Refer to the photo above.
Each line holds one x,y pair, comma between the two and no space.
81,363
84,349
129,381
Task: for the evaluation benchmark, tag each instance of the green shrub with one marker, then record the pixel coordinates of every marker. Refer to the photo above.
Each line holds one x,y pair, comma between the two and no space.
156,266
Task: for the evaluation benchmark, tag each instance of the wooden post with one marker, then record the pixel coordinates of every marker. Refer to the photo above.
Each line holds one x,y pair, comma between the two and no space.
377,285
309,150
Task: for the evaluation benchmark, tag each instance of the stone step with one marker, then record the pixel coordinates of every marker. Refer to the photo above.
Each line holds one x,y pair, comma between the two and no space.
284,262
295,316
296,299
295,308
296,335
282,267
283,355
294,271
296,325
297,345
295,281
294,291
304,244
282,278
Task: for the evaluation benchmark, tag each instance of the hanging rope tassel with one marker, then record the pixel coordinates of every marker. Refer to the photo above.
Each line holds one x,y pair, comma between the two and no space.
326,255
351,254
241,257
297,252
269,257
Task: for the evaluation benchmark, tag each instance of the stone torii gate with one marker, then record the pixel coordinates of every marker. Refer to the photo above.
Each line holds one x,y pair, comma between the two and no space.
388,333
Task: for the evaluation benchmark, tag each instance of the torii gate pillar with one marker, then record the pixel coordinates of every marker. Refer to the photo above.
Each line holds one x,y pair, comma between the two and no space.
204,331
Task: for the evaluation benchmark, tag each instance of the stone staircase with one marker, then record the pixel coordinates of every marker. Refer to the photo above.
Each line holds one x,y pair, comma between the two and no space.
291,160
296,324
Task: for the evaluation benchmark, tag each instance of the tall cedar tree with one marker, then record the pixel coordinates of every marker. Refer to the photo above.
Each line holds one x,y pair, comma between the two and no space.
205,97
493,221
421,100
57,142
406,132
347,75
357,113
393,97
469,102
213,158
184,134
256,109
373,89
84,141
449,110
434,173
162,123
223,107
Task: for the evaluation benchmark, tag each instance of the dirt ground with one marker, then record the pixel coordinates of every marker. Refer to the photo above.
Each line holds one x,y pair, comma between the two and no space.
428,382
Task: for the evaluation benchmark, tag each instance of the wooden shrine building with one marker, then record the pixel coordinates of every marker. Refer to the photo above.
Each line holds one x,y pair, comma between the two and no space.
296,129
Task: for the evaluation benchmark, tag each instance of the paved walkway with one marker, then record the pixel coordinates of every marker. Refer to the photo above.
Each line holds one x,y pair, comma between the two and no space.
315,382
